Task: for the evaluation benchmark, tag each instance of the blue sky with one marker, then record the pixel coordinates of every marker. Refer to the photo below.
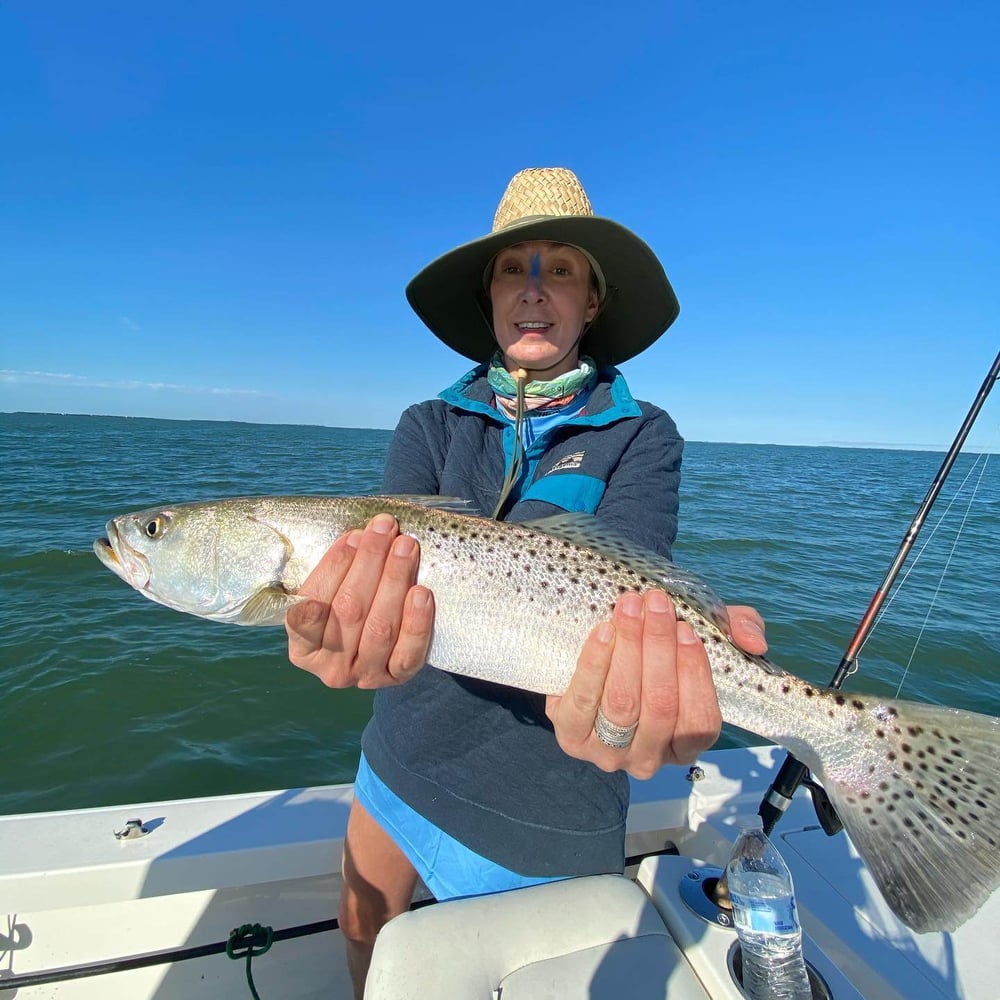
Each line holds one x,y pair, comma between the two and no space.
211,209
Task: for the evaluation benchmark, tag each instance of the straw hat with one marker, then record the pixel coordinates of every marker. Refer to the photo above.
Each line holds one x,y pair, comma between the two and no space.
549,203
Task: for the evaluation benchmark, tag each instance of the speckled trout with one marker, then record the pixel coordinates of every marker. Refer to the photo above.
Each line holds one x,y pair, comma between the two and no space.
916,786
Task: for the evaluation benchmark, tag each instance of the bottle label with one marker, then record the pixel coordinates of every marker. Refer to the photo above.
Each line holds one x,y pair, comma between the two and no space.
766,916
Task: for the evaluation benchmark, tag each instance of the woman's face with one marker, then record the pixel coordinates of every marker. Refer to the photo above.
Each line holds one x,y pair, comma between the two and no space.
542,298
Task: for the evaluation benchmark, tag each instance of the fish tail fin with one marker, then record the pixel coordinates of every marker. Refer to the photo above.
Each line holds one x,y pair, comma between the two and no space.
926,816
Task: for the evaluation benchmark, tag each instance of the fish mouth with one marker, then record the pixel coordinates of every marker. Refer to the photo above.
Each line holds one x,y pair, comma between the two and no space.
121,558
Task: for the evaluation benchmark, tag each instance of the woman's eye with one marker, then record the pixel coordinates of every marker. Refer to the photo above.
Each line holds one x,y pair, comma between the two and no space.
560,270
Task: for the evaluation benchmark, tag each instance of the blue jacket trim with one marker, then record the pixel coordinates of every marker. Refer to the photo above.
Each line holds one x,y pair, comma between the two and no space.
574,493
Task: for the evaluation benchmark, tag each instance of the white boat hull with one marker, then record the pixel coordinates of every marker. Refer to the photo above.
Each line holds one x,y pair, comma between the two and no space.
76,897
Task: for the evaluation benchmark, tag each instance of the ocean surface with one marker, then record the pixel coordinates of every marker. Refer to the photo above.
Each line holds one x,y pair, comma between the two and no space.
107,698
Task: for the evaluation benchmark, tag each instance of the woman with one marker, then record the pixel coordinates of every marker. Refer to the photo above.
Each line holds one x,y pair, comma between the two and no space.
473,786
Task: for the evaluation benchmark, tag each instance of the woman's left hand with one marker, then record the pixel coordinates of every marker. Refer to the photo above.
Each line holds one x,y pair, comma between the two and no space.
646,668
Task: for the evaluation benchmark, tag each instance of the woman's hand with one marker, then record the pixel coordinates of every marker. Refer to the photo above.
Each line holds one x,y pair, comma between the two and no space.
367,623
645,668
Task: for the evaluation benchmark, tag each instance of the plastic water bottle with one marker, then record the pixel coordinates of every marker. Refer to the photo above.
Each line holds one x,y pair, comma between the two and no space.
767,923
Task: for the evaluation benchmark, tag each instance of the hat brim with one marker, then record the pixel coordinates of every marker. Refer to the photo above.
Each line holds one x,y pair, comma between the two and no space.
638,308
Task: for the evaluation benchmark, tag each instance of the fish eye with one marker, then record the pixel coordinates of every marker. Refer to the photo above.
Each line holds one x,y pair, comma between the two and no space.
155,526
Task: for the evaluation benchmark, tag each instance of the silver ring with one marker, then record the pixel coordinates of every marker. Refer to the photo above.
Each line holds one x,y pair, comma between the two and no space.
611,735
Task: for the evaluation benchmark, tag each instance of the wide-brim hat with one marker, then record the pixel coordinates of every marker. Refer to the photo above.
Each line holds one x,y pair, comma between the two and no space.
549,203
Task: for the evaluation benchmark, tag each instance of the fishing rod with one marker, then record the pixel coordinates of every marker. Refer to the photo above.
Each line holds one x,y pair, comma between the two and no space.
793,772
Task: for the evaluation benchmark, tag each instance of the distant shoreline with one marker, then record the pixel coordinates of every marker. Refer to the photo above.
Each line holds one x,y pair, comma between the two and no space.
860,445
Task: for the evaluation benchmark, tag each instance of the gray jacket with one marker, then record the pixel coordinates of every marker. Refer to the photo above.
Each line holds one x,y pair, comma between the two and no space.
480,760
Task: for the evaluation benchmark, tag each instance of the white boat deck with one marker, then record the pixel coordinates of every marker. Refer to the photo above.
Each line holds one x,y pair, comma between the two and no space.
73,893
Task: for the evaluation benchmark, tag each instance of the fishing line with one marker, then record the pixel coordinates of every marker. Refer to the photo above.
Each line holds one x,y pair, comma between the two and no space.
892,597
944,571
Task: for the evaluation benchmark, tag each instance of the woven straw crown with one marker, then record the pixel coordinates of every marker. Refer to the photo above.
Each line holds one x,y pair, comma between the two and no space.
541,191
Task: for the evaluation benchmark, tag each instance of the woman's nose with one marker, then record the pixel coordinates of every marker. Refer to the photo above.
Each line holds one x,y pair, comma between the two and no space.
533,290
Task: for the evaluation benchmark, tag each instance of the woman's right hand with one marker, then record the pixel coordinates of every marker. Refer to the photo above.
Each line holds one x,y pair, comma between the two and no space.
366,622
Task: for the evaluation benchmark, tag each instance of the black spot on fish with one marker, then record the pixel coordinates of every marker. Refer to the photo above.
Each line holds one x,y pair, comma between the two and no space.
593,607
857,704
914,730
890,756
905,747
880,733
727,669
809,692
841,699
785,688
760,688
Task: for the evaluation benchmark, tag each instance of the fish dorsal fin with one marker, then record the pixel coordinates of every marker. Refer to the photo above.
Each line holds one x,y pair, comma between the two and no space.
587,531
267,606
451,505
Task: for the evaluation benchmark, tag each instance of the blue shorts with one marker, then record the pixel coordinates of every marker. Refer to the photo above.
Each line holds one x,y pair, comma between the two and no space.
448,868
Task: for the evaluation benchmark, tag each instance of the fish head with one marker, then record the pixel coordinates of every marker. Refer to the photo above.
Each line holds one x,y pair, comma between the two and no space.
201,558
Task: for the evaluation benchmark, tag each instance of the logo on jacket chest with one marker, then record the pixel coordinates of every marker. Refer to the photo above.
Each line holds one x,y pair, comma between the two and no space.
573,461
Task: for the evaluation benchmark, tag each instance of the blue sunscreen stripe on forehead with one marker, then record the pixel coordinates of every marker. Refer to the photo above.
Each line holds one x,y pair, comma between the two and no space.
536,265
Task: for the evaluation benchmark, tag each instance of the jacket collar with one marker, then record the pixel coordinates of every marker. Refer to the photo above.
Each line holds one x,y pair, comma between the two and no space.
610,401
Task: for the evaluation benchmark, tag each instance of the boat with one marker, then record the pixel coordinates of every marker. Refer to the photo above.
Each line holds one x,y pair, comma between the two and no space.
222,896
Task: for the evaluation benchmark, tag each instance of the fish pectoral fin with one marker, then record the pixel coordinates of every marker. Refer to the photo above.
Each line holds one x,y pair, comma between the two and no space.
267,606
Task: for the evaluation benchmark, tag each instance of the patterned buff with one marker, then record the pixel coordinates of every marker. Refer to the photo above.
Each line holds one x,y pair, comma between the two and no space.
538,395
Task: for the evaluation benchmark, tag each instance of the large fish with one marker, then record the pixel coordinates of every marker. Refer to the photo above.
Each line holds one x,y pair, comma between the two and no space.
916,786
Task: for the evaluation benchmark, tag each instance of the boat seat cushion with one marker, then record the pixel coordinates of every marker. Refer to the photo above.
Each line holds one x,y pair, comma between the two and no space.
596,937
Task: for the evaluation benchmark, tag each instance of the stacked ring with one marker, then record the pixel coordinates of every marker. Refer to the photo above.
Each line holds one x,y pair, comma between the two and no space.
612,735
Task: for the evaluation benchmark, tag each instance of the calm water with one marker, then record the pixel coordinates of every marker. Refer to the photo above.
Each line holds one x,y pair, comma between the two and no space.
108,698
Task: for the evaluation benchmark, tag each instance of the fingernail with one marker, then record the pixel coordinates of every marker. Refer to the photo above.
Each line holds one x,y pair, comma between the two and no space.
750,624
404,546
421,598
686,634
657,602
382,524
353,539
604,633
631,605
